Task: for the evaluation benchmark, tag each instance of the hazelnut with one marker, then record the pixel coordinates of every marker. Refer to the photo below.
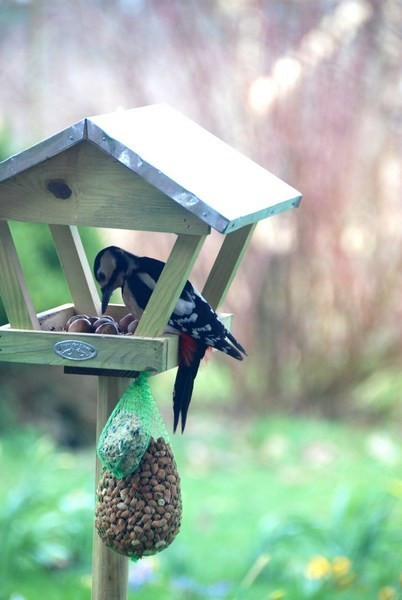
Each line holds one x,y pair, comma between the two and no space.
101,321
125,322
107,329
74,318
132,326
80,325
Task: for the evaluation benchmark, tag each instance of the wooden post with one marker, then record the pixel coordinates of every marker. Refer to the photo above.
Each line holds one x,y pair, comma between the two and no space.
226,264
109,570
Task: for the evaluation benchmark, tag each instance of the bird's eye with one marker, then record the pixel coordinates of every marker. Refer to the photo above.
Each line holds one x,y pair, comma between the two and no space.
101,276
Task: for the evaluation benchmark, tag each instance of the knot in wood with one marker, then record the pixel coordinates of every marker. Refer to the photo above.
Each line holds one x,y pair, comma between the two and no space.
59,189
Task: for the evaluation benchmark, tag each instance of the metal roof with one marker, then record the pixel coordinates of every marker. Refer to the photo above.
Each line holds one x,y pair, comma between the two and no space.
181,159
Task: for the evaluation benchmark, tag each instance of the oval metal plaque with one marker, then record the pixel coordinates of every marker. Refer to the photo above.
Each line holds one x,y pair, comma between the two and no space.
74,350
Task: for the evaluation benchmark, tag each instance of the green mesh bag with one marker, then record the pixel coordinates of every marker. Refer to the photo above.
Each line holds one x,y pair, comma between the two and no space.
126,435
138,514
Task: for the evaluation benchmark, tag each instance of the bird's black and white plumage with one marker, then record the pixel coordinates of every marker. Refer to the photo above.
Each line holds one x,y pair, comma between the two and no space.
193,318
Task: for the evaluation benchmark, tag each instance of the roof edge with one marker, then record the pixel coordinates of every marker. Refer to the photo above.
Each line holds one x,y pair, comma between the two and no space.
262,214
43,150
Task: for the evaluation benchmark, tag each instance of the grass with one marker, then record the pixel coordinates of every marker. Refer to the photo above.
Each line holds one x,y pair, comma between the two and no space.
270,509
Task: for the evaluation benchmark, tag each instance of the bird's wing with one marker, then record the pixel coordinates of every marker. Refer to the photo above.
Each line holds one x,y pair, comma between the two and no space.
194,316
139,283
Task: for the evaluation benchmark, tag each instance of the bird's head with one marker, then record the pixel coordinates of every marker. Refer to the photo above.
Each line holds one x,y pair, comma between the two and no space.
110,268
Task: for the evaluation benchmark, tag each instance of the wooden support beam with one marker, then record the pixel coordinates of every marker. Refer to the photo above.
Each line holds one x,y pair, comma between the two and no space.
110,570
13,289
170,285
76,269
226,264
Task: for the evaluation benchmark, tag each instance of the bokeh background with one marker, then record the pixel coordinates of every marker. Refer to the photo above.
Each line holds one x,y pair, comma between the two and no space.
291,462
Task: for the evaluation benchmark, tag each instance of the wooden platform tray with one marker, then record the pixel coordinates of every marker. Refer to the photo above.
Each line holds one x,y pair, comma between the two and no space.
119,355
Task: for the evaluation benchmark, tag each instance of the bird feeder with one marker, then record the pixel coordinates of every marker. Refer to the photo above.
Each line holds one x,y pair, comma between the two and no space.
149,169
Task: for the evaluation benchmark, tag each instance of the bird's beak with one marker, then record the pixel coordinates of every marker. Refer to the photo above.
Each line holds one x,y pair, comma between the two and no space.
107,291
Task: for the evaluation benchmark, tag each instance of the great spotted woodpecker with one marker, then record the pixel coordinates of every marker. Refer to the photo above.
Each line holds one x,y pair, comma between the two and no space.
193,318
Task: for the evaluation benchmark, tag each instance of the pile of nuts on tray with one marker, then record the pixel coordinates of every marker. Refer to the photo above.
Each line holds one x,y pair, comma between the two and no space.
104,325
141,514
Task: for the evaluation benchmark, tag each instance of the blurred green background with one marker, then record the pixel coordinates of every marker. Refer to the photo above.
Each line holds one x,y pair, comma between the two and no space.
291,462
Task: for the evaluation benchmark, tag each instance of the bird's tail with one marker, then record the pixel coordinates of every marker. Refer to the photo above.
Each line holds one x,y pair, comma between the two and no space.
232,347
235,342
186,374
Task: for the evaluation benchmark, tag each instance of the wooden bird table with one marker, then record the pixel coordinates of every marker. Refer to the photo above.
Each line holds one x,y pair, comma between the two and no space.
149,169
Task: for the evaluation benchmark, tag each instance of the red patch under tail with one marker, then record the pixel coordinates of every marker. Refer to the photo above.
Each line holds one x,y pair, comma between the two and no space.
188,349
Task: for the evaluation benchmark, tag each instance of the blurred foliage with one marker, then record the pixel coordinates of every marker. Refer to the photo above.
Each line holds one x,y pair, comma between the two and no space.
45,509
277,505
63,405
352,551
